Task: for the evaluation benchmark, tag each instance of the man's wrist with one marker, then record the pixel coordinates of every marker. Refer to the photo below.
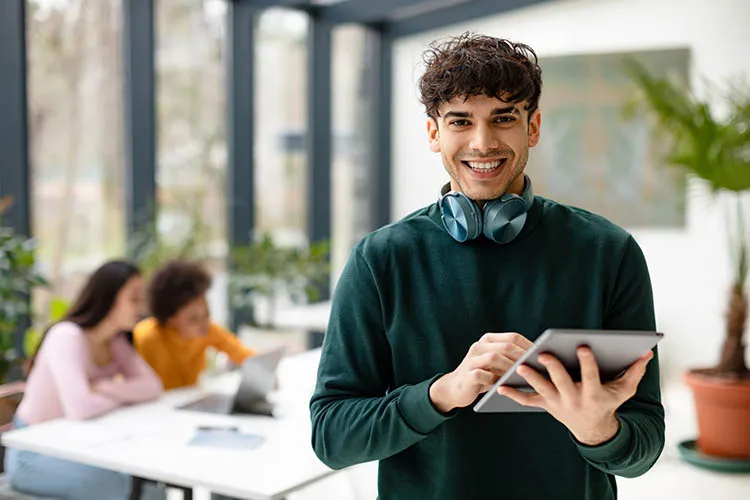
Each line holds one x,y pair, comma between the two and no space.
600,433
438,396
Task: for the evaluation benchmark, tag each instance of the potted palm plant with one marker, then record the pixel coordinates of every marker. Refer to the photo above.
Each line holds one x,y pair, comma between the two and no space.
717,151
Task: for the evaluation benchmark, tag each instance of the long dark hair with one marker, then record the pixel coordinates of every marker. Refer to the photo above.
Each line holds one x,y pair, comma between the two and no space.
96,299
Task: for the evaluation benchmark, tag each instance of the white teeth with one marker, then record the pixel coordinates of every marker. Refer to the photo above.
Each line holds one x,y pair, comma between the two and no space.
485,166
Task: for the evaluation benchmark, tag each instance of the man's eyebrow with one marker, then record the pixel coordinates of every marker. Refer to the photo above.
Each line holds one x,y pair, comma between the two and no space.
505,110
457,114
497,111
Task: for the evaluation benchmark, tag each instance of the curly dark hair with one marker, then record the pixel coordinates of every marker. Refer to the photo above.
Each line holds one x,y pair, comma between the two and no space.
471,65
174,285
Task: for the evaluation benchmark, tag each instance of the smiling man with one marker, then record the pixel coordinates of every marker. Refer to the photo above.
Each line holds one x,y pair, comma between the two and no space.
430,311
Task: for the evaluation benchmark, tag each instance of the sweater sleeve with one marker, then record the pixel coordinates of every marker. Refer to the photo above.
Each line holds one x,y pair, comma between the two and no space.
225,341
640,440
357,415
66,353
139,383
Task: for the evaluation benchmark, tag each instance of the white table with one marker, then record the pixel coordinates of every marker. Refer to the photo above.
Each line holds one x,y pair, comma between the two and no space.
307,317
151,440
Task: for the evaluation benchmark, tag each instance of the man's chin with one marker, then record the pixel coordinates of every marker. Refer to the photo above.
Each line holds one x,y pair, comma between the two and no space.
484,194
487,191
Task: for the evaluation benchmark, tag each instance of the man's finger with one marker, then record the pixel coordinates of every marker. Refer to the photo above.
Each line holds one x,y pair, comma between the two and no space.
536,380
482,379
522,398
558,374
512,337
590,378
493,362
505,349
633,375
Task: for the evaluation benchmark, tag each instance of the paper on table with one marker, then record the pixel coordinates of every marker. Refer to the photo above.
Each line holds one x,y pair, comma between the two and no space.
227,439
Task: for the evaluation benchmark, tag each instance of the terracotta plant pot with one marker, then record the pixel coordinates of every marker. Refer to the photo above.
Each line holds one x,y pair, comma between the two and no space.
723,410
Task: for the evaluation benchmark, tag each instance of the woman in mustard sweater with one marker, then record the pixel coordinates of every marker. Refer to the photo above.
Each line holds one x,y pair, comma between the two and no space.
174,340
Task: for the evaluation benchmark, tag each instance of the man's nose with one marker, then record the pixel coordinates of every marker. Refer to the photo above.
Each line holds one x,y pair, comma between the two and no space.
483,139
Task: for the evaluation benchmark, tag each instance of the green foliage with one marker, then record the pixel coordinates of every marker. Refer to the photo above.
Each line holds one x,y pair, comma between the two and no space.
263,269
715,150
57,308
18,275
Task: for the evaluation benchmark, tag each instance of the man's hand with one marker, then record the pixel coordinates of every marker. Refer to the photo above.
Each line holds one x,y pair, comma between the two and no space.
484,364
587,408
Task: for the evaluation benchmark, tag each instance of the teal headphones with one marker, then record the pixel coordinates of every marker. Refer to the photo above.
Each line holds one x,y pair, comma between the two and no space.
500,220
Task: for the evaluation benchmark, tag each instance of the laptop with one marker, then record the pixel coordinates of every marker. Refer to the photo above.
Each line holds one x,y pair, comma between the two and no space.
258,378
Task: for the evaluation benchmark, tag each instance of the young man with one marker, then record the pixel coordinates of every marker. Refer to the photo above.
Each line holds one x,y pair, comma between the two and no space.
412,341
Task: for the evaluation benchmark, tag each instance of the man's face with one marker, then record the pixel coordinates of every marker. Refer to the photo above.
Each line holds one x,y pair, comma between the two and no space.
484,143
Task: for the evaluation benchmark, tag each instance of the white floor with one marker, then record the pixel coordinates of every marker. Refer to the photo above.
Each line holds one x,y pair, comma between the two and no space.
673,478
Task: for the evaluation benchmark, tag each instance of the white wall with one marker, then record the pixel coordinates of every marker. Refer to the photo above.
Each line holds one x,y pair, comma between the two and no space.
690,267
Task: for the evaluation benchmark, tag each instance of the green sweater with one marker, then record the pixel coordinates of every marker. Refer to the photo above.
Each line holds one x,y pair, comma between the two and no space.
408,306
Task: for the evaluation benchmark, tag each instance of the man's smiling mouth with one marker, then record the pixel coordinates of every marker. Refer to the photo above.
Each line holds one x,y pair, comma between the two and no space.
485,166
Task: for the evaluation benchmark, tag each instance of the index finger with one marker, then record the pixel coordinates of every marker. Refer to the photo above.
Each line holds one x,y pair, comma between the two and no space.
512,337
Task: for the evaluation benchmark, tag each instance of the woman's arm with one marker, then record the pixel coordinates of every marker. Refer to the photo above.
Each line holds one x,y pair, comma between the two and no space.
225,341
138,383
66,354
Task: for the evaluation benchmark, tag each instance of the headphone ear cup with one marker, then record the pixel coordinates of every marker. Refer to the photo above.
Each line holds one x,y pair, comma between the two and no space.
504,218
461,217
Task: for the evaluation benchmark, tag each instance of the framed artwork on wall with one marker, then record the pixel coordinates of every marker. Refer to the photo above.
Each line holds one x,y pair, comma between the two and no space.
590,156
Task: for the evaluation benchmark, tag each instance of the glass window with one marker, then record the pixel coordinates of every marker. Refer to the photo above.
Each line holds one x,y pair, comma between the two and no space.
75,133
352,124
191,137
280,114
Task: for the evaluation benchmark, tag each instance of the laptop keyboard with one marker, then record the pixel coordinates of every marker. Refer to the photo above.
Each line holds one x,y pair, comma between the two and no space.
211,402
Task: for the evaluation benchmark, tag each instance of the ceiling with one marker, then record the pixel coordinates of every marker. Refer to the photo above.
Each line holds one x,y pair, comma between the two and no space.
398,17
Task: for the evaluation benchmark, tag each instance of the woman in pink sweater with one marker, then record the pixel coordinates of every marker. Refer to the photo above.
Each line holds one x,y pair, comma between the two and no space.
84,367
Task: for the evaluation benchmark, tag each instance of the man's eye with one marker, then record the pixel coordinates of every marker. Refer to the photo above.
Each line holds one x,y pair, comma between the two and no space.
459,123
506,119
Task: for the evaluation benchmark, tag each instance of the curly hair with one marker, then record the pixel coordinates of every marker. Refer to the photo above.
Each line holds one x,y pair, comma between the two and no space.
471,65
174,285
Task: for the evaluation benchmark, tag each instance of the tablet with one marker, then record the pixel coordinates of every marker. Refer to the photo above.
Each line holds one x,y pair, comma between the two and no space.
615,351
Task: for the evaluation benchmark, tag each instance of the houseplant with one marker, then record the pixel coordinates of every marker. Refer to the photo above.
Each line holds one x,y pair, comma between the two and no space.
18,275
263,272
716,150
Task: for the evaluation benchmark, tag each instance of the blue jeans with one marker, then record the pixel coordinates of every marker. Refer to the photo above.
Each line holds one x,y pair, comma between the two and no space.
45,476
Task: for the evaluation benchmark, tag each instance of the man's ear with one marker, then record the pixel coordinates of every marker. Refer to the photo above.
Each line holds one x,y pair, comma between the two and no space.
433,135
535,127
